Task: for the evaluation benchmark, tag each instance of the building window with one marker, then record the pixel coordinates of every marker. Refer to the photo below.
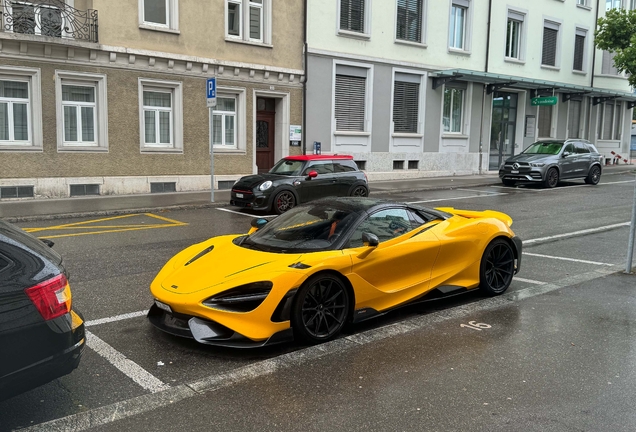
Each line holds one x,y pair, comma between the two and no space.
350,102
610,121
353,16
453,109
514,34
252,15
78,104
458,24
545,121
398,164
574,119
550,43
159,14
612,4
161,115
406,101
409,20
581,2
20,109
607,64
224,122
579,50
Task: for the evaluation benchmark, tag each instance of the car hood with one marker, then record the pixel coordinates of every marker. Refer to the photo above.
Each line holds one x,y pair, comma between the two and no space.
251,181
212,264
529,158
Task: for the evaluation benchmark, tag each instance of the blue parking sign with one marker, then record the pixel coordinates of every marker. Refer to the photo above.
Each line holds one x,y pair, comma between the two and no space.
210,87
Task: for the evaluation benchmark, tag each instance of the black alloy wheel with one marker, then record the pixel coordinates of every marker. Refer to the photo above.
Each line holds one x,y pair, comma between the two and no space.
320,309
497,267
283,201
551,178
594,176
359,191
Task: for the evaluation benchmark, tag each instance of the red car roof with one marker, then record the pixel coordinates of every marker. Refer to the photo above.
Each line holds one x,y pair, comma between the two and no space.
310,157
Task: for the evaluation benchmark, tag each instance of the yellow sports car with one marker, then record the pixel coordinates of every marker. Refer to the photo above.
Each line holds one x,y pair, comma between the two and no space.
311,270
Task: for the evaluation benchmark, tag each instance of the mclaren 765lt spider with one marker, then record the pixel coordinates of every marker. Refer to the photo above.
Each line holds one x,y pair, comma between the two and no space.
317,267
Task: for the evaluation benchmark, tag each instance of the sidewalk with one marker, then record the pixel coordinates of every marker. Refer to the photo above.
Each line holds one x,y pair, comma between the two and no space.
38,209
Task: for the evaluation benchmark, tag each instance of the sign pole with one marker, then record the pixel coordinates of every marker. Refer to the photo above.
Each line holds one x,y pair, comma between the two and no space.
211,157
210,94
632,234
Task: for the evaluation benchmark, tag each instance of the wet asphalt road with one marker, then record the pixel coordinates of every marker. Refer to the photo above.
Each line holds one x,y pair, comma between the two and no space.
559,353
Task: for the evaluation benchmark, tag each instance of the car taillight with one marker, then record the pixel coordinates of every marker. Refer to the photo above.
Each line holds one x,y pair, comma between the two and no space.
365,176
52,298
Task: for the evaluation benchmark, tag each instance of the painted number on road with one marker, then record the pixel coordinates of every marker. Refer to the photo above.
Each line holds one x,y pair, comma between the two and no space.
476,326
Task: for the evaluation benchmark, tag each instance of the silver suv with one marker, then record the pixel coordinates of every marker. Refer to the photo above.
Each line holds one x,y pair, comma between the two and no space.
551,161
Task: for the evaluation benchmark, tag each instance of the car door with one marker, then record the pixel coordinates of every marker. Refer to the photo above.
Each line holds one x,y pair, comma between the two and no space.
399,268
583,160
322,185
345,176
567,161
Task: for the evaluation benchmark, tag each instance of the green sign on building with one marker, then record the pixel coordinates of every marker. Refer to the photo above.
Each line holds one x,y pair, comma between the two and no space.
547,100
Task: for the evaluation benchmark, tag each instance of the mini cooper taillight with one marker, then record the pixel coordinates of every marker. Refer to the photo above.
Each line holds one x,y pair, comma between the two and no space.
52,298
244,298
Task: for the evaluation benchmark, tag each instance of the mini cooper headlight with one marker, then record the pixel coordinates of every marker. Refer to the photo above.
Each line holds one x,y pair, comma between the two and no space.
244,298
537,165
265,185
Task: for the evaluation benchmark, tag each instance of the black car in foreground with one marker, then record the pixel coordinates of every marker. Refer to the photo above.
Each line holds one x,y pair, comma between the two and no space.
41,336
298,179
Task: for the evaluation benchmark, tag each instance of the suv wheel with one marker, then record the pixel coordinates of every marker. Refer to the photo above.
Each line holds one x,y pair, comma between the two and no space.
551,178
594,176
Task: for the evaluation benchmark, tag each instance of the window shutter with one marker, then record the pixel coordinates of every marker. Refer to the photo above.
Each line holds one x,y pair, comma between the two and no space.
409,20
618,121
574,122
607,120
579,45
352,15
549,46
545,121
607,66
405,106
350,103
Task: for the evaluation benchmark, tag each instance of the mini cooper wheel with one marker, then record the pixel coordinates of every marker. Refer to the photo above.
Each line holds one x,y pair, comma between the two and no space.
497,267
360,191
507,182
320,309
283,201
551,178
594,176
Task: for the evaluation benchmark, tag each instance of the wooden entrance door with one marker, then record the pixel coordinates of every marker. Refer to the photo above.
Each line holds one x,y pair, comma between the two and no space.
265,122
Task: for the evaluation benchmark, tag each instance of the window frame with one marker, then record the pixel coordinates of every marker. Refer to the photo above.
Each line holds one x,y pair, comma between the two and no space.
100,116
468,20
420,102
244,22
616,123
581,120
423,20
240,126
553,121
34,107
176,117
517,15
450,132
554,24
172,18
223,115
366,34
581,31
368,100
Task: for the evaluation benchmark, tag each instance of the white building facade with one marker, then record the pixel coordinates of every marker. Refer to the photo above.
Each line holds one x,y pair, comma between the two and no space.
418,88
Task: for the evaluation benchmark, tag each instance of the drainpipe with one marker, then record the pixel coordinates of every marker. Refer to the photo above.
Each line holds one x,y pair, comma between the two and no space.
483,97
305,82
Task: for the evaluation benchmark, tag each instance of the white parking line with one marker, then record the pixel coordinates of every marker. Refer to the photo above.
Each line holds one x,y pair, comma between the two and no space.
480,191
128,367
567,259
530,281
244,214
616,182
116,318
457,198
574,233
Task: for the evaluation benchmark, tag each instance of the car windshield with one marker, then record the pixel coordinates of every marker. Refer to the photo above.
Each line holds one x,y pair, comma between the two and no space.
544,147
302,229
287,167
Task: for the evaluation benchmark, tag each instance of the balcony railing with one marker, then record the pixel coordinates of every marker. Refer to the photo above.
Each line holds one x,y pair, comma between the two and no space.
53,18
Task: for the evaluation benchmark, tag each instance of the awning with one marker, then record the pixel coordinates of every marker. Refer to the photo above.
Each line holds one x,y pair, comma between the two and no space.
496,82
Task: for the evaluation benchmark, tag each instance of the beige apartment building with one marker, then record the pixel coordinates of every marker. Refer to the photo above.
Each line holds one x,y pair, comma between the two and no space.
109,96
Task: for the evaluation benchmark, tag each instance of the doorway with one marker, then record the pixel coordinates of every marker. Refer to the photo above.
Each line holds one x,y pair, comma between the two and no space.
265,133
504,128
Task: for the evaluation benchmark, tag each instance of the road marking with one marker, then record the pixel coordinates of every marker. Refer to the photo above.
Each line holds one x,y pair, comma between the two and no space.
116,318
574,233
617,182
128,367
567,259
480,191
244,214
457,198
530,281
146,403
105,229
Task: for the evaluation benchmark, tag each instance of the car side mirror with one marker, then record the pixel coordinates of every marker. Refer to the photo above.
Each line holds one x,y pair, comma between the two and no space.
312,174
257,223
370,240
566,154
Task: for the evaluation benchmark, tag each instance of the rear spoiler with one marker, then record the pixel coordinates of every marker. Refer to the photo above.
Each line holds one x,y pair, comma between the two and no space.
472,214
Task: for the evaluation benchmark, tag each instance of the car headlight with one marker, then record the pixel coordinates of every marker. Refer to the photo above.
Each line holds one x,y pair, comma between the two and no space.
244,298
265,185
537,165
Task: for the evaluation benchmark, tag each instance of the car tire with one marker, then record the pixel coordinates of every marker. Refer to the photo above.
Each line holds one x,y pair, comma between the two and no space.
359,191
594,175
497,267
283,201
320,309
508,182
551,178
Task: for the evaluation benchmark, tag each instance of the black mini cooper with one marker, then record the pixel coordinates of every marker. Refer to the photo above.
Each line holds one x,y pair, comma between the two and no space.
298,179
